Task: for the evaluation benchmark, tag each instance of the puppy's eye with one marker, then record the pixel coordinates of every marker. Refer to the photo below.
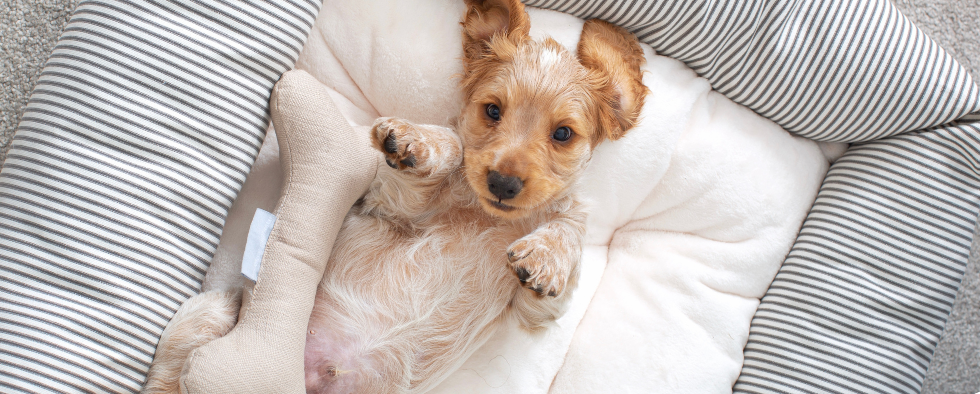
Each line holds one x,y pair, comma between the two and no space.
493,112
562,134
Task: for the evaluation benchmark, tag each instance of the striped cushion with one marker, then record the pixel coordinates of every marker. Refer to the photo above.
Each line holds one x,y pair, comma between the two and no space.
844,70
862,299
137,138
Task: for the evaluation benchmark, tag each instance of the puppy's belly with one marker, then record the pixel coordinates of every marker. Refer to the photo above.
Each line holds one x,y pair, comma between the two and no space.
398,309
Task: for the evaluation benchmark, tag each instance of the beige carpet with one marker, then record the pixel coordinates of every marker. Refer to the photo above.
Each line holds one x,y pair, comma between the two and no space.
30,28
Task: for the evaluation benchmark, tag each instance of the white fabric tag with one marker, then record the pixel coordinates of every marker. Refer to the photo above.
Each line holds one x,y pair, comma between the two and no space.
258,236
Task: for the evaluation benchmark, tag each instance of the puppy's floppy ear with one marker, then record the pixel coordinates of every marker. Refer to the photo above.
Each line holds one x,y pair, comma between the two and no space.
614,57
485,19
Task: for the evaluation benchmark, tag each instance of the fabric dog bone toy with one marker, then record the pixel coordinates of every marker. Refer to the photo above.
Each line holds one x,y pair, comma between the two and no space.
326,168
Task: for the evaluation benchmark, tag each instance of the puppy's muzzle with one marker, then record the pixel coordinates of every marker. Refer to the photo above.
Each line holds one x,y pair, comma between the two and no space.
503,186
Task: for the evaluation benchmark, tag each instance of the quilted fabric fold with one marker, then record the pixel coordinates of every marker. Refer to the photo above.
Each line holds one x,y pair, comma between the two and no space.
863,297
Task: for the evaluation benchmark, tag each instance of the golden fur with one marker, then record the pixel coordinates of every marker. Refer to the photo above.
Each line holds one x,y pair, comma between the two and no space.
431,261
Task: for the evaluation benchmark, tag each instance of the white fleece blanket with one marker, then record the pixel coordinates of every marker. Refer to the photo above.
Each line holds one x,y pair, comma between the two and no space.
692,212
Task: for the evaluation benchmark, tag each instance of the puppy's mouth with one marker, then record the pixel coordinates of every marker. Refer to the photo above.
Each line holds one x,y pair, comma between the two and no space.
501,206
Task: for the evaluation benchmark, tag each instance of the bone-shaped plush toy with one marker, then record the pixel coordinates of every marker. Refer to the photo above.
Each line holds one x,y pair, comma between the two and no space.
326,168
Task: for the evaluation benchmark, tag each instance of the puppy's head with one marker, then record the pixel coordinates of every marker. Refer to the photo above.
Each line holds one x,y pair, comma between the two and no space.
534,110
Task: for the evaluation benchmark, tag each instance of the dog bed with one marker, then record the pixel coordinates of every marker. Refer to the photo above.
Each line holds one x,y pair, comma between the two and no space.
702,199
149,114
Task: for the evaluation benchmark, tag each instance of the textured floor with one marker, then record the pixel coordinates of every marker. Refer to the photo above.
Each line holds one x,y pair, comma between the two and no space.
30,28
28,32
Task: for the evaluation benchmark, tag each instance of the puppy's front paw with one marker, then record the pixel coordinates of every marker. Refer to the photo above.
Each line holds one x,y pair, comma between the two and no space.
406,146
542,262
395,139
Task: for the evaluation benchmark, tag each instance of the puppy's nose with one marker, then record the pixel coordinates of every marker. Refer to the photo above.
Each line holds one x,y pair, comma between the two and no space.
503,186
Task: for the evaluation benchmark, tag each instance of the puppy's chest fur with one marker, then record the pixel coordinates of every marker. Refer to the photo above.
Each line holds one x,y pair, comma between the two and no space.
425,288
452,247
452,231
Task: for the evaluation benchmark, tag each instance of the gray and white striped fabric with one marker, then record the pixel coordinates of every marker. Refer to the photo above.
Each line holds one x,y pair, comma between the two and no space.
862,299
136,140
829,70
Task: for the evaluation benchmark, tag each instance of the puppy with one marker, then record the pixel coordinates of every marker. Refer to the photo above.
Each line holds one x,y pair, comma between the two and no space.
468,227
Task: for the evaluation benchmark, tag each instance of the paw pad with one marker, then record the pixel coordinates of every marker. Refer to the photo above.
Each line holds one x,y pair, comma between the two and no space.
391,145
